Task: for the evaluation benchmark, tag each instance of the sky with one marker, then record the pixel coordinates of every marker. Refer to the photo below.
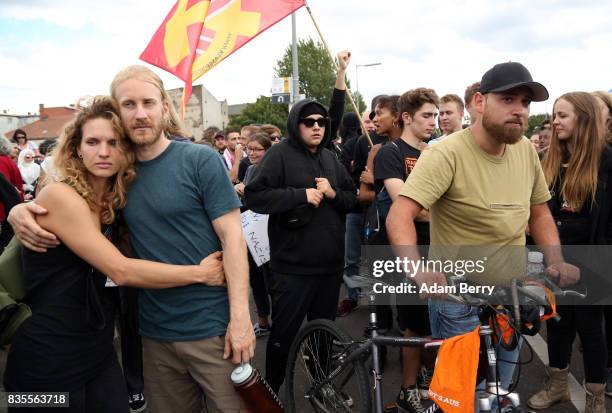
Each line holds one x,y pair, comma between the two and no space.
55,51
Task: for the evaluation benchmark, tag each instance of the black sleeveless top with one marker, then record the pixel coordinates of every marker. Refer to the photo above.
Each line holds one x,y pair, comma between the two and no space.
68,340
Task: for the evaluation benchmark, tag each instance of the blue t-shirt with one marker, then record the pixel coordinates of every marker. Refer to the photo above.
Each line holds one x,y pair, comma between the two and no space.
170,209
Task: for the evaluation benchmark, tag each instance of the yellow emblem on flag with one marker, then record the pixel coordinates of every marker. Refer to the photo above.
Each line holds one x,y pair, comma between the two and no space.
228,23
198,34
176,41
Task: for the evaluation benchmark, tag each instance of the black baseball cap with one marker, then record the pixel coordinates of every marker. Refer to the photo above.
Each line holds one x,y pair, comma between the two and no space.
505,76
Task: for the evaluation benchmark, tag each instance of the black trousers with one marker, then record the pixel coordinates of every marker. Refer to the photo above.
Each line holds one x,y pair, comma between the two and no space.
131,342
295,297
587,321
608,327
103,394
258,279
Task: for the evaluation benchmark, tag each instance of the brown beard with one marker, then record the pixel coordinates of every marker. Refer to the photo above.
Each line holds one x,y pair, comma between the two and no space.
141,140
502,133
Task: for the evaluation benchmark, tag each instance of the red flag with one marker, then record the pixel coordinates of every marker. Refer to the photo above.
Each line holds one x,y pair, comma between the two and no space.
198,34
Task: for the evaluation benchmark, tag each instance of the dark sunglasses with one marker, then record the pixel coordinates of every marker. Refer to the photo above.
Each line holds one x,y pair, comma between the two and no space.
309,122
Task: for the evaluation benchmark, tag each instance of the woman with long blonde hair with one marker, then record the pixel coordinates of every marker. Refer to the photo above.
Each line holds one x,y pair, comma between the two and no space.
67,343
576,166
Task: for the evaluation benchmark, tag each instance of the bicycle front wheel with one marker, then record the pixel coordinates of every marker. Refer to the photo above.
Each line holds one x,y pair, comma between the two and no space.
320,348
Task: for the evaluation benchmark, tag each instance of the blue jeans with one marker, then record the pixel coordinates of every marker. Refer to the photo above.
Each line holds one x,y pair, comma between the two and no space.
353,238
450,319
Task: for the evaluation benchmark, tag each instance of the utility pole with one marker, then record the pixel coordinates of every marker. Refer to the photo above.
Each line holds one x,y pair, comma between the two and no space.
357,73
295,92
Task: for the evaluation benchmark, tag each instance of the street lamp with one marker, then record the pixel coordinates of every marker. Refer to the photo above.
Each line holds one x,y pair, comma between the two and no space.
357,73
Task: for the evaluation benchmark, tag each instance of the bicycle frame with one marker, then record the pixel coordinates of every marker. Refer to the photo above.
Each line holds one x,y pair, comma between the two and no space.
486,366
353,352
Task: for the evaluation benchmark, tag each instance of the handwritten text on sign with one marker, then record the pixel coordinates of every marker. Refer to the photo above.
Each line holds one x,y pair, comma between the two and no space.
255,229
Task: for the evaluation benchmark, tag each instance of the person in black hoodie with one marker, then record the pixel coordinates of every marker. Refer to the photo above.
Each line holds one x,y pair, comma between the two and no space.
350,130
307,193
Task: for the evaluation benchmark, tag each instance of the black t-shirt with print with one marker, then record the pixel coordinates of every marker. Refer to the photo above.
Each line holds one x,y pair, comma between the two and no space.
361,152
396,160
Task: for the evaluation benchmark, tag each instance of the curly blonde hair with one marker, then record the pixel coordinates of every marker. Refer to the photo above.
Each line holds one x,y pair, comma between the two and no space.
71,170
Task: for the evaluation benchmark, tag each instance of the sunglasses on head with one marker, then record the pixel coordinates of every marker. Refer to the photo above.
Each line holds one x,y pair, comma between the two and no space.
309,122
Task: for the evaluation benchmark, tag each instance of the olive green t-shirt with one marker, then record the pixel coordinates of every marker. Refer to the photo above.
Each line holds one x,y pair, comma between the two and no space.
479,203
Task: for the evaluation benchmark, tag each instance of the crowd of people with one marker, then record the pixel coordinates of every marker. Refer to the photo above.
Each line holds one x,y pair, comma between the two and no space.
132,221
22,164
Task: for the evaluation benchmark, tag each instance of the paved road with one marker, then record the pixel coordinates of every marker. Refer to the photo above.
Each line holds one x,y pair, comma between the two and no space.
532,375
531,379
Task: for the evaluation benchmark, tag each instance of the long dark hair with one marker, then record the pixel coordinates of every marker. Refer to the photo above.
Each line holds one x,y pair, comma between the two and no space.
19,132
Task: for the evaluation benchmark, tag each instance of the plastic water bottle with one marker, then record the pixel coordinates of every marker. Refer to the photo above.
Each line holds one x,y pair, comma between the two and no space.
254,390
535,264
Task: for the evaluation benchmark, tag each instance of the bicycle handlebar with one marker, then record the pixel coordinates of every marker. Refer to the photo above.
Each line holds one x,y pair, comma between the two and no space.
531,288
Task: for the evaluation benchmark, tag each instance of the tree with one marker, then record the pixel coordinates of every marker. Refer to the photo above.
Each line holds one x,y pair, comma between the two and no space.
260,112
535,121
317,74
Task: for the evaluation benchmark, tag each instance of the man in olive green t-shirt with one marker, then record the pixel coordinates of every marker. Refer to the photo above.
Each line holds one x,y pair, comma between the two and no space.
483,186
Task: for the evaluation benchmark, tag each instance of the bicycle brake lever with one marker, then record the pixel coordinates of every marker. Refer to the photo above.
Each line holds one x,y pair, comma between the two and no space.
574,293
567,292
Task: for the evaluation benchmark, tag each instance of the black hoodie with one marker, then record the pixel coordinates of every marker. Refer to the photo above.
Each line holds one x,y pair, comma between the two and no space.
303,240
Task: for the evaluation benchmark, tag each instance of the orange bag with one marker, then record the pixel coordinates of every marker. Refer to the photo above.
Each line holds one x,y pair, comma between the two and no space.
453,386
504,326
552,300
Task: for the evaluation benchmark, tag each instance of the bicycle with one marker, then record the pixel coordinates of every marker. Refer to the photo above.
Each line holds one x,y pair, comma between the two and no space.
327,368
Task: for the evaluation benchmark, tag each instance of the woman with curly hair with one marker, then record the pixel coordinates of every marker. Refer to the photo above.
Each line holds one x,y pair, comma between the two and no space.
67,343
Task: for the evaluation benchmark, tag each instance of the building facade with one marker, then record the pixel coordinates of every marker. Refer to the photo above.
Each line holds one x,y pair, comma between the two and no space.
48,125
9,122
203,110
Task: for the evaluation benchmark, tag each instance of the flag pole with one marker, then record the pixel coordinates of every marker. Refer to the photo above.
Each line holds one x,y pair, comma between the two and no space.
333,59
